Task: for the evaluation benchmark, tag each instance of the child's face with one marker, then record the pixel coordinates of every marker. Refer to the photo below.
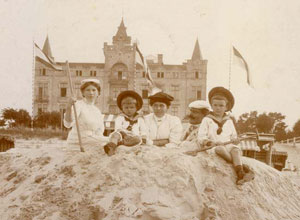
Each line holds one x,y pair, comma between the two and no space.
219,107
90,93
129,106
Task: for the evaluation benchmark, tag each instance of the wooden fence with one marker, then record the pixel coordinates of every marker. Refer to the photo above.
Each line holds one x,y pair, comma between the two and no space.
294,141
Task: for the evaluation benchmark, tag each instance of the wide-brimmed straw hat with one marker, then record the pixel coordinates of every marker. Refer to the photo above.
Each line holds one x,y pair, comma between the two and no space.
130,93
222,92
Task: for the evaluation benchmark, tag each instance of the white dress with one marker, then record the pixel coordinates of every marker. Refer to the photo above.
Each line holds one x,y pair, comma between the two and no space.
167,127
91,124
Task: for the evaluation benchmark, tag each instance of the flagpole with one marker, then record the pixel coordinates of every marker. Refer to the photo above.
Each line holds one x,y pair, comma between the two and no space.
230,58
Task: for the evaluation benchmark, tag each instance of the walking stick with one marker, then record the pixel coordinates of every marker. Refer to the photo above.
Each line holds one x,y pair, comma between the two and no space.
74,107
194,152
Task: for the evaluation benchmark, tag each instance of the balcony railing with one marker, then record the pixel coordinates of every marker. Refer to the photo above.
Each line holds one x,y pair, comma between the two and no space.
43,99
118,81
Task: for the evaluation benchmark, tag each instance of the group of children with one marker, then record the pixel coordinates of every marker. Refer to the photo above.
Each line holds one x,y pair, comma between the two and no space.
157,128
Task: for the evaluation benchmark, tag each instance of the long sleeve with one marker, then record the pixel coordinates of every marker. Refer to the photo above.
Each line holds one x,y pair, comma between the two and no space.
203,131
72,123
175,130
118,122
143,127
234,133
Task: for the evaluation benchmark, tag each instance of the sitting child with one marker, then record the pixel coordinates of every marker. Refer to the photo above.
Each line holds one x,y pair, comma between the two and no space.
217,128
130,128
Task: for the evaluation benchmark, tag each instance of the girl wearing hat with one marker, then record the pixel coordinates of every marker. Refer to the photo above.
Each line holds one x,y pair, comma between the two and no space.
90,119
164,129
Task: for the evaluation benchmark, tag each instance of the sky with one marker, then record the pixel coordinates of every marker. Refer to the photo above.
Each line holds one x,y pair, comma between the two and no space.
266,34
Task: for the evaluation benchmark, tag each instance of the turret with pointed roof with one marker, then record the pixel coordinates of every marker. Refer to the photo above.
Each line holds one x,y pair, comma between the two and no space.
121,35
197,53
47,49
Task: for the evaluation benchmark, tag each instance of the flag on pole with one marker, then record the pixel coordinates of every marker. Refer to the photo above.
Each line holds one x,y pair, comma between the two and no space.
239,60
40,54
139,59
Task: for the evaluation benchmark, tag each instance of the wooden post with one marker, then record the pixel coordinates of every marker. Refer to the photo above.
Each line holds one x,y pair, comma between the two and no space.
74,107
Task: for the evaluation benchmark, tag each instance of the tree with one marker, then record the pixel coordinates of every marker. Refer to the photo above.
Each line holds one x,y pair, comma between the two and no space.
246,122
2,123
296,128
47,119
16,118
264,123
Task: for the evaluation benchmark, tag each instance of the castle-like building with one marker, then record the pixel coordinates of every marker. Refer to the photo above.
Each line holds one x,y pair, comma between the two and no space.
186,82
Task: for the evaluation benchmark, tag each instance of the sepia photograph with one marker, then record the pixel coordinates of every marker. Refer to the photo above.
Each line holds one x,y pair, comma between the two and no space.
150,110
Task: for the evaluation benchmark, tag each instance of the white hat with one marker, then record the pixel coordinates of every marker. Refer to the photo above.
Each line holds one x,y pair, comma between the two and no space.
199,104
84,81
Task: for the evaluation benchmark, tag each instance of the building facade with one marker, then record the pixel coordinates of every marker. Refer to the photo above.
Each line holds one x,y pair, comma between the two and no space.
186,82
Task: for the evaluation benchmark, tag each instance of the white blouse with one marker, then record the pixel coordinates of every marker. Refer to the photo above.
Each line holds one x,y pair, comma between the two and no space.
138,128
91,124
167,127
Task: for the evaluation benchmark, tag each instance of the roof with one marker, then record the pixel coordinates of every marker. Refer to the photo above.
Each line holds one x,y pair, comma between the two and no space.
98,65
197,53
168,67
280,153
261,136
39,54
47,49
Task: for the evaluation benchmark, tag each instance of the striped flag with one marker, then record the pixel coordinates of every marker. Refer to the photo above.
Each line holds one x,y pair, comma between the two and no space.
239,60
139,59
40,54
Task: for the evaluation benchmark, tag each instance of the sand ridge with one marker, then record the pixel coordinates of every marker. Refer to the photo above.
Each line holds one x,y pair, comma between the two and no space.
47,180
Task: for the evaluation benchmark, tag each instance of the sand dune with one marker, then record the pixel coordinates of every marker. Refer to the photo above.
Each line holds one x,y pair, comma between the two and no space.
46,180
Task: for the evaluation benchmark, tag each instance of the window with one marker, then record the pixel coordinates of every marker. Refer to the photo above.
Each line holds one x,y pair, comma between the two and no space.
120,75
78,73
115,92
45,107
175,75
197,75
113,109
63,89
160,74
144,94
40,110
43,72
77,89
63,92
93,73
174,111
175,91
198,95
42,90
62,109
144,74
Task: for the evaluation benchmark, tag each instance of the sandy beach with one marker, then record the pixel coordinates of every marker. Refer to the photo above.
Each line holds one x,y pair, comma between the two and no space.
47,180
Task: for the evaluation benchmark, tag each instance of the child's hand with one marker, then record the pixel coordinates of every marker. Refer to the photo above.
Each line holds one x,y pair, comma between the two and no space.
207,143
235,141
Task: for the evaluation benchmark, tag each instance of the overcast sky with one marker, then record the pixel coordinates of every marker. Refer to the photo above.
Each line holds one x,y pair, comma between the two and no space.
266,33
